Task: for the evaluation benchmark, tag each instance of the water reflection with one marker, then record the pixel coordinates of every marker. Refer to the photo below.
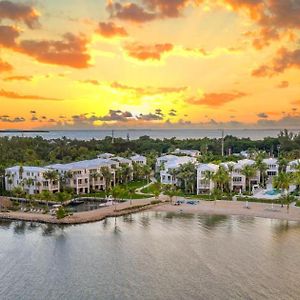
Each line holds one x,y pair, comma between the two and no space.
48,229
211,221
20,227
152,255
5,223
145,220
128,218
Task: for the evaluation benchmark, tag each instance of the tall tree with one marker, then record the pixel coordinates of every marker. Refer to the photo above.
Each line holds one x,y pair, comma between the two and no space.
262,167
106,173
52,176
249,172
221,178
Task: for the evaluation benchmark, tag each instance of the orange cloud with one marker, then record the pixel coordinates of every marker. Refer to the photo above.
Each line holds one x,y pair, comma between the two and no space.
70,51
5,67
148,11
148,52
149,90
273,16
170,9
13,95
215,99
19,12
283,60
283,84
110,30
129,12
18,78
265,36
8,35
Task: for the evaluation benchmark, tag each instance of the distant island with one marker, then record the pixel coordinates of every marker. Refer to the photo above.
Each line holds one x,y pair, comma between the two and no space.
23,131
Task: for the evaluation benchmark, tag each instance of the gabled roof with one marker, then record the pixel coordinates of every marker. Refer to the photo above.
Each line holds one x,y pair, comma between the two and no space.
138,157
27,169
244,162
294,162
208,167
270,161
122,160
84,164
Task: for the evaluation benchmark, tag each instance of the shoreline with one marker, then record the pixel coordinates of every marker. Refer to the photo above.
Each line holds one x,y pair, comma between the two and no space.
235,208
82,217
220,207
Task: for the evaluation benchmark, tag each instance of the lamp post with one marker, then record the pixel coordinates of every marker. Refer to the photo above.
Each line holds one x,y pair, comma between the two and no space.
222,142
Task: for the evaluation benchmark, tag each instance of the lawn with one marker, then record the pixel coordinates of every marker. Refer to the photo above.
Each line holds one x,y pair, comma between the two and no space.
135,184
151,189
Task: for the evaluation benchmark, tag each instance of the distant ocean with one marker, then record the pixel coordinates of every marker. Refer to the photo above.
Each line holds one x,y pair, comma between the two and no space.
254,134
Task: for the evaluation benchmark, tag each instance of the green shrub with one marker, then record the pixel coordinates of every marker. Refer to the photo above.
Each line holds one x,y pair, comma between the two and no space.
250,199
155,202
61,213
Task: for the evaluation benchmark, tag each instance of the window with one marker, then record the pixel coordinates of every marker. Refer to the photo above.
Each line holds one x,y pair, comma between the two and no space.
237,179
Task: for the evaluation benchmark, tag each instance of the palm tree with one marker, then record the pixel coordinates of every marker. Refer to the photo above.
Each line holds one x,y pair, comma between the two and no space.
117,192
221,178
118,175
262,167
146,172
64,179
52,176
126,172
10,180
283,163
282,182
156,190
62,197
173,173
18,192
29,182
171,191
296,178
249,172
187,174
94,176
230,168
130,191
39,184
106,173
208,177
21,171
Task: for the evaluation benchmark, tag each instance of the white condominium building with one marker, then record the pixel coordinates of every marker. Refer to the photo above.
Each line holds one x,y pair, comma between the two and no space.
139,159
272,167
293,166
192,153
205,184
166,165
82,176
31,179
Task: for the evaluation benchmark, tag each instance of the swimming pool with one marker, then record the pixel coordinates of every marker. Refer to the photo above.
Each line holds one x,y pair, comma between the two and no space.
272,192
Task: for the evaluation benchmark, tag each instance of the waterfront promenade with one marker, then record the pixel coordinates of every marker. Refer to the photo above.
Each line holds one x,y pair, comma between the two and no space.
81,217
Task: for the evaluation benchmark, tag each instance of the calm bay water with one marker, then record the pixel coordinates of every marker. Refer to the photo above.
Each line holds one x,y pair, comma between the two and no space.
254,134
152,256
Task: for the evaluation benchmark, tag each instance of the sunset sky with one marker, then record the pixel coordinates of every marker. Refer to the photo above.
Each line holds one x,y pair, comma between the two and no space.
149,63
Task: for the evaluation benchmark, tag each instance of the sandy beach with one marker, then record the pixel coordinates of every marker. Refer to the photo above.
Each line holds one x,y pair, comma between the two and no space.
219,207
235,208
